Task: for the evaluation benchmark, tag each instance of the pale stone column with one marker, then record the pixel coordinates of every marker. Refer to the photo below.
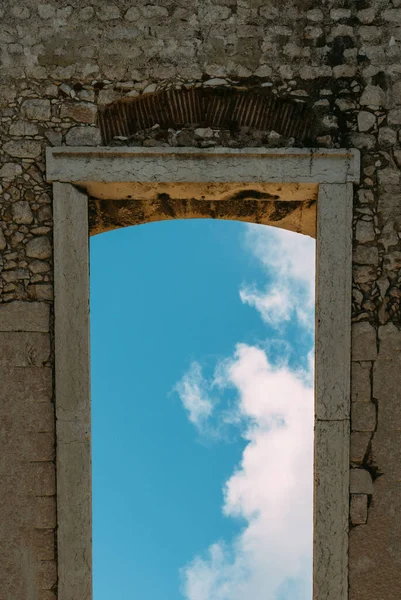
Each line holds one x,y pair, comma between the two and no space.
72,382
332,389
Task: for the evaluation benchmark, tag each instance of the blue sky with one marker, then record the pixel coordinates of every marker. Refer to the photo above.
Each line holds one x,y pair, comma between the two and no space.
201,411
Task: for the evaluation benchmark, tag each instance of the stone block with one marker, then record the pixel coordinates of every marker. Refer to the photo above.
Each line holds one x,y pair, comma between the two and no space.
23,128
364,232
42,479
83,112
44,509
373,95
25,385
55,137
386,389
363,342
364,274
363,416
366,255
40,291
344,71
366,120
375,548
394,116
387,137
39,266
46,574
85,14
365,197
132,14
392,262
24,349
39,247
360,381
43,543
359,445
359,509
22,214
39,417
392,14
27,446
360,482
370,33
23,148
394,94
106,97
331,496
340,13
389,206
388,236
36,109
24,316
389,342
108,12
41,447
389,177
83,136
386,453
29,416
10,170
21,12
15,275
46,11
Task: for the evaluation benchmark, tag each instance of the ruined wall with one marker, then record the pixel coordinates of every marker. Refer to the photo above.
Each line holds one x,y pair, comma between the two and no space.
60,63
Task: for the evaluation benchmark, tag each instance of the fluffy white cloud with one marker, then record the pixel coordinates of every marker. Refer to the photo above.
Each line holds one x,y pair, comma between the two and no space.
271,489
194,394
289,260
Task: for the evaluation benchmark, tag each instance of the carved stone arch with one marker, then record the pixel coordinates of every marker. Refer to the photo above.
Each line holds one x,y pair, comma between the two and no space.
228,107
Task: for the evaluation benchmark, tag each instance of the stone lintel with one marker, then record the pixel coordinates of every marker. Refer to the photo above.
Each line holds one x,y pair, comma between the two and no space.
147,165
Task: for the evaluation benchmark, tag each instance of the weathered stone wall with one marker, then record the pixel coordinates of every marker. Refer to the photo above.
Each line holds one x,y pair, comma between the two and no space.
59,64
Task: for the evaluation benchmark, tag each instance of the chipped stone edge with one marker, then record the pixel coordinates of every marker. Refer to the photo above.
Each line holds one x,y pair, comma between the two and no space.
331,502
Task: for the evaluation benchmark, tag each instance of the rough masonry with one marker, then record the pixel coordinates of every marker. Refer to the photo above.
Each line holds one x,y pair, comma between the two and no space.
61,64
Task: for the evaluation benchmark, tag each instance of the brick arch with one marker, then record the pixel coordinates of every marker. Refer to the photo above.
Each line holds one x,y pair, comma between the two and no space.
221,106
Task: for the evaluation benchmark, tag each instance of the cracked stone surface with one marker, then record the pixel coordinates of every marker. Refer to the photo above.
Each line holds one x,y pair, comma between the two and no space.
61,65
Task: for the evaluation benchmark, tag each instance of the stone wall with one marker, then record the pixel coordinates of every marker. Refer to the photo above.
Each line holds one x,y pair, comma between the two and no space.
60,63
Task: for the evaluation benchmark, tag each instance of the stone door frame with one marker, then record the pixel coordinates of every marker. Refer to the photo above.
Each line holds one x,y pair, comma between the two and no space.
73,172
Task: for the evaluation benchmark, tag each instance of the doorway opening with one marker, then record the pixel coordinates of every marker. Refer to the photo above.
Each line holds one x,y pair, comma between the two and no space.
202,411
109,175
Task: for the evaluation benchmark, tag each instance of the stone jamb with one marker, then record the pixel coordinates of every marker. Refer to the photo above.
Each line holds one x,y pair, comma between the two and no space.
334,171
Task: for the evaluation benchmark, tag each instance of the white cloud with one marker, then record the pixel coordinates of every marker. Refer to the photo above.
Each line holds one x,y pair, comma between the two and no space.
271,489
289,260
194,394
